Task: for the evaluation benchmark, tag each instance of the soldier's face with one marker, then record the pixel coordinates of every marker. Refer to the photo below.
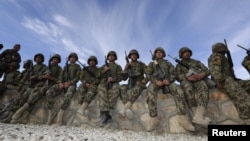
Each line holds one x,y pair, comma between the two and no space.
38,59
159,55
72,59
111,58
186,55
55,60
133,57
92,63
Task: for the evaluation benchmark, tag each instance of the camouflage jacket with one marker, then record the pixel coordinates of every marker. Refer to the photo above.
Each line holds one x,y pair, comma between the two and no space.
38,71
11,78
86,77
137,70
115,72
55,71
166,67
181,71
219,67
72,75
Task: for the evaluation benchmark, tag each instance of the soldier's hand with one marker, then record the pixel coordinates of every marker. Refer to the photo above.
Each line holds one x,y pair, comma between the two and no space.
159,83
219,86
61,86
106,68
110,79
127,66
66,84
165,82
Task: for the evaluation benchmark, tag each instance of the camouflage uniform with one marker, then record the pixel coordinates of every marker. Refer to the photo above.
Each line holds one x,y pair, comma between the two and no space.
73,78
9,56
223,75
54,71
170,75
193,89
137,82
36,84
108,96
88,94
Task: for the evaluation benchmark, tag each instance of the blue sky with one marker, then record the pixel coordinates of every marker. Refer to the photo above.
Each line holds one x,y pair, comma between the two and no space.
94,27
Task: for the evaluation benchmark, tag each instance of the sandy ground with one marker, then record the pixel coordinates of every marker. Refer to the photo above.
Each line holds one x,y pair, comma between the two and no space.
20,132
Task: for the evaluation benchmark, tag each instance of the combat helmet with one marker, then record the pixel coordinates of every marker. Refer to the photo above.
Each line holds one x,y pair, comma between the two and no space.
161,50
183,49
219,47
93,58
74,55
39,54
56,56
133,51
27,63
112,53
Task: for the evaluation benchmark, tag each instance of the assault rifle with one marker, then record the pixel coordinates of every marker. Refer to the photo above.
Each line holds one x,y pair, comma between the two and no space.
160,74
66,71
30,73
92,74
48,71
194,70
130,81
247,50
230,59
108,73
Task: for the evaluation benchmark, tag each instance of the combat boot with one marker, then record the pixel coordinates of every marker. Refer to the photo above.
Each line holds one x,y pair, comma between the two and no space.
185,123
153,123
8,118
20,111
50,118
82,109
59,120
123,111
105,118
199,117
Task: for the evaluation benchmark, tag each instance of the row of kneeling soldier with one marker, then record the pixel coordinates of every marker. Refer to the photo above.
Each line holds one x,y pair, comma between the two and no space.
39,80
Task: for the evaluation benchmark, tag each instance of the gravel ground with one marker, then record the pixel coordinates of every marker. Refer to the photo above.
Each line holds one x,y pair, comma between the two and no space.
20,132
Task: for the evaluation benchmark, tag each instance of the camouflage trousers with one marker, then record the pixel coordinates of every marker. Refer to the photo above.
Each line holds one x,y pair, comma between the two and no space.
36,94
108,98
19,101
55,91
131,95
196,93
176,92
86,94
238,95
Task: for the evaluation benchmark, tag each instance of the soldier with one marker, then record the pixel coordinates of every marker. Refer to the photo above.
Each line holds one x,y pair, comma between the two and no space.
89,80
66,84
223,75
108,88
19,100
194,86
135,72
8,56
37,81
157,83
